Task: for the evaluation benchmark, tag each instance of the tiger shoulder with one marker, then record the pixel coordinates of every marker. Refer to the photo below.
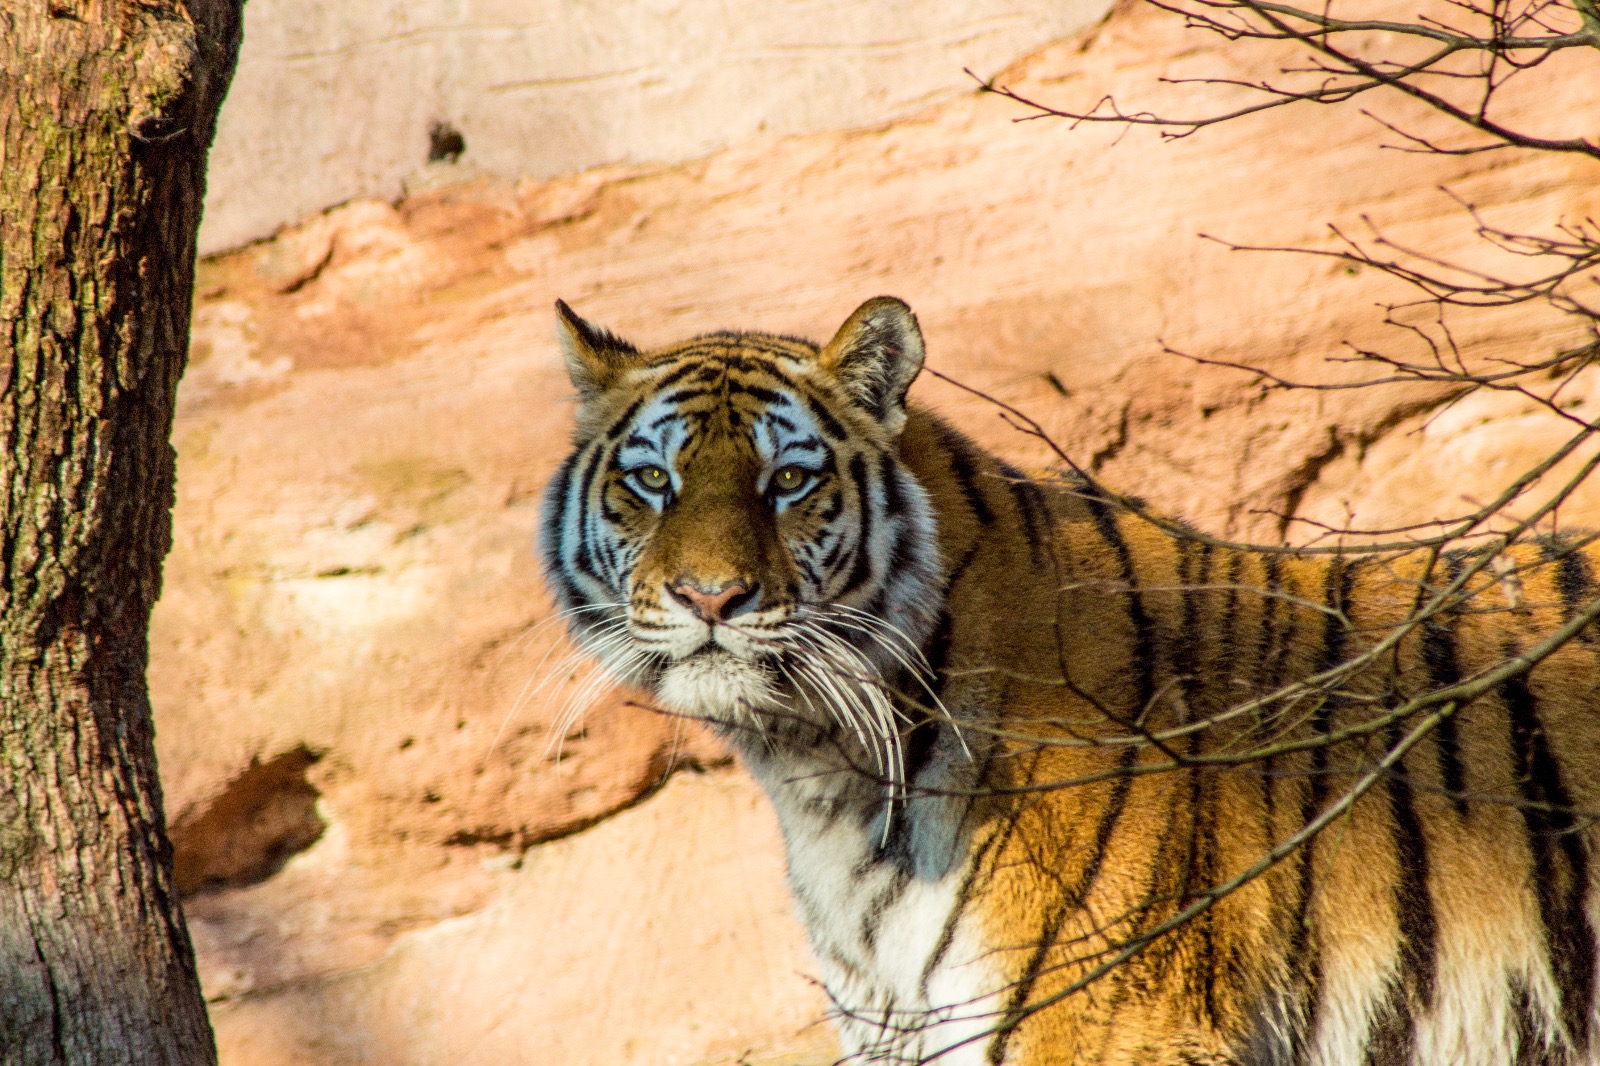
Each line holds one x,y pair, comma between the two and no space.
1062,782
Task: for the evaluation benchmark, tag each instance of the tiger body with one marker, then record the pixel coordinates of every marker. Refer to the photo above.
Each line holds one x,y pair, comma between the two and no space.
994,715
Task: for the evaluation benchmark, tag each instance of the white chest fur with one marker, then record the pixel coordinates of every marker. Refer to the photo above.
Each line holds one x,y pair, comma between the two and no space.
899,949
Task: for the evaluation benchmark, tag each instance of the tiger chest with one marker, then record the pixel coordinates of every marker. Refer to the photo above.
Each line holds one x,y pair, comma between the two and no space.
898,945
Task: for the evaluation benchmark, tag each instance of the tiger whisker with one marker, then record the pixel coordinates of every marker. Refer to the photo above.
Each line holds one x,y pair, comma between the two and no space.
846,706
864,700
912,660
843,711
847,701
894,653
920,671
614,639
537,678
593,687
886,627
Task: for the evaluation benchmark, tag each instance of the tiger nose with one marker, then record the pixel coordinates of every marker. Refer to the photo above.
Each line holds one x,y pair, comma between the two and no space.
714,605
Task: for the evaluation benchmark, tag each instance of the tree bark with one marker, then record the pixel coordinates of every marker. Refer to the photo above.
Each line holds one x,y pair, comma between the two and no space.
107,108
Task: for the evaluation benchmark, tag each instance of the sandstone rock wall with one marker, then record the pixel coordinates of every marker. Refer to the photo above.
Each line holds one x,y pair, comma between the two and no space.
360,692
334,101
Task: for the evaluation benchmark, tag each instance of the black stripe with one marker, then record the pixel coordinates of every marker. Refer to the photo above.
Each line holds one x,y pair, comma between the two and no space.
1281,1034
830,560
862,568
660,420
1560,872
964,468
678,396
959,571
1200,862
770,397
742,364
1268,672
1337,584
758,343
607,554
623,420
902,551
812,575
920,742
1440,654
1389,1033
584,556
1230,619
899,841
610,513
936,649
1266,647
831,426
556,512
1573,579
1068,902
894,497
1143,667
1192,576
1531,1050
1035,512
1276,646
1419,927
672,377
831,506
1143,657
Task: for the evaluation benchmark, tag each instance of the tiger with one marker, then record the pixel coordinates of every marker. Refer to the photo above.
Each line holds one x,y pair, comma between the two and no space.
1060,780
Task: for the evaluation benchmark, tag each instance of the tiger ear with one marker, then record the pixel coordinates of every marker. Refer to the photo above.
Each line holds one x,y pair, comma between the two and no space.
595,357
876,355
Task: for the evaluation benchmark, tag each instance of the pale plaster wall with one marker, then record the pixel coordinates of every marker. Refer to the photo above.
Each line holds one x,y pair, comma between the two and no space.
334,100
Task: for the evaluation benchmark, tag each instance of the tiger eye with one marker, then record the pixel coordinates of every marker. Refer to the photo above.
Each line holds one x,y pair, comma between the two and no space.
789,478
653,477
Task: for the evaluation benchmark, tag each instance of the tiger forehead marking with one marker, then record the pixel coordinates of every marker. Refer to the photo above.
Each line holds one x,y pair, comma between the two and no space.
945,675
760,417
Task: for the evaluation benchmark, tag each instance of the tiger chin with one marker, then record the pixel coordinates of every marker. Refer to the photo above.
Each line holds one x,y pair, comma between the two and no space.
994,713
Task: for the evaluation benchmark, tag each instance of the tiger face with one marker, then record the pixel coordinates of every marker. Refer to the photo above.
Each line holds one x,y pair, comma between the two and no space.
734,529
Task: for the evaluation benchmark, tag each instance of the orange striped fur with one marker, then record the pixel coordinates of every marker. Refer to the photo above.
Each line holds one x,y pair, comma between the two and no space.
1013,730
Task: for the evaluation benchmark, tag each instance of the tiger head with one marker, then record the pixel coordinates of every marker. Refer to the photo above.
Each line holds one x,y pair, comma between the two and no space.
735,529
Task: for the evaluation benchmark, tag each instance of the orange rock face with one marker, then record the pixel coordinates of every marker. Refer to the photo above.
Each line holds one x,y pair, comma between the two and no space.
361,691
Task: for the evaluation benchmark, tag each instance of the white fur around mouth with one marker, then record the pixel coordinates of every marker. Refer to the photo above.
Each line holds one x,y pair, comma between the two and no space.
716,683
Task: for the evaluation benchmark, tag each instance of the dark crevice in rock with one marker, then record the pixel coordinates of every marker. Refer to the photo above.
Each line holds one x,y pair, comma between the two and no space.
242,837
1303,477
1112,448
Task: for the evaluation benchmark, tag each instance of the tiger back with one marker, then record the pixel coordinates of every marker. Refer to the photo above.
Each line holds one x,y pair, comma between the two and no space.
1063,782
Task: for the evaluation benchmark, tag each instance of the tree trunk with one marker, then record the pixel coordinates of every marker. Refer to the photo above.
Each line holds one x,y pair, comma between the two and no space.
107,108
